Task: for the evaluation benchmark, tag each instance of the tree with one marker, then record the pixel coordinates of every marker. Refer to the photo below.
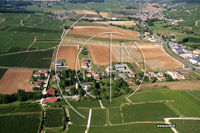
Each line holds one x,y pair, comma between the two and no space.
64,73
146,79
73,91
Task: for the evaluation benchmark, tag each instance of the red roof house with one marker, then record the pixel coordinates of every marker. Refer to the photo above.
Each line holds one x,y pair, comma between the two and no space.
38,84
37,74
45,72
131,74
88,74
50,99
129,80
51,91
97,77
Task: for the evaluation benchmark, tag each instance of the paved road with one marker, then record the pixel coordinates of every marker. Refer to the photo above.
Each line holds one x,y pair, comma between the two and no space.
165,47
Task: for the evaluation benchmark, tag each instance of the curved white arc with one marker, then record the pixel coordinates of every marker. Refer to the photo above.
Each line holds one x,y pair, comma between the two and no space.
144,70
76,66
62,37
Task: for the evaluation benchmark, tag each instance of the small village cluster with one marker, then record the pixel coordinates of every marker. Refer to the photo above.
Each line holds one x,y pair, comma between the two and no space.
191,56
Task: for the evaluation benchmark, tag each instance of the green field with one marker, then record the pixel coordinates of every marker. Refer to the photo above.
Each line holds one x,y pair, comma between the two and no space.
28,123
144,96
115,116
98,117
54,118
115,102
2,71
187,126
76,129
130,128
38,59
20,108
146,112
76,119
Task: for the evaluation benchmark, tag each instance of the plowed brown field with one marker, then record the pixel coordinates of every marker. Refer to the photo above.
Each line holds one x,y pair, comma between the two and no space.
154,53
104,14
85,12
101,55
127,23
69,53
95,30
14,80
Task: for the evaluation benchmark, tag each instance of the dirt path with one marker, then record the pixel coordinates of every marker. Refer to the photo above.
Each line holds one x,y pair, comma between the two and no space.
193,95
32,43
108,9
39,22
21,21
101,104
20,113
89,120
174,110
196,23
2,20
122,114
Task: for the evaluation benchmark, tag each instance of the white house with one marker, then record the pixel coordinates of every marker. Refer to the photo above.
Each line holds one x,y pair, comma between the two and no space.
119,67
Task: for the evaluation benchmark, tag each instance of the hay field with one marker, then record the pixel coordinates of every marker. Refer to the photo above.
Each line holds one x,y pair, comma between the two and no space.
126,23
151,8
101,55
85,12
14,80
153,53
69,53
104,14
95,30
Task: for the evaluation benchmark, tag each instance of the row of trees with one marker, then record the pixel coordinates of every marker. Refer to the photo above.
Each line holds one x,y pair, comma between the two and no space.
21,96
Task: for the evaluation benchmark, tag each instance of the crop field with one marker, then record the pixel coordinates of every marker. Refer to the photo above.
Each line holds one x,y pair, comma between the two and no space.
145,96
76,119
151,8
101,55
14,80
37,59
69,53
104,14
87,104
75,128
54,118
21,108
129,128
98,117
126,23
115,116
155,55
186,126
28,123
116,102
2,72
95,30
146,112
85,12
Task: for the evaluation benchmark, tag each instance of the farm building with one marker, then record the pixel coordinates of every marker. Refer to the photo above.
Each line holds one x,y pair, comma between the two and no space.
177,51
85,62
119,67
131,75
50,99
197,51
129,80
58,64
193,61
51,91
38,84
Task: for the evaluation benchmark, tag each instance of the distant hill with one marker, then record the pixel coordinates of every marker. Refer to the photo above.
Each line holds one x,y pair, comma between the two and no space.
183,1
85,1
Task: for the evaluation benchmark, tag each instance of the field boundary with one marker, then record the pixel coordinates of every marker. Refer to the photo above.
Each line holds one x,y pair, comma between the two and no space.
89,120
192,95
174,110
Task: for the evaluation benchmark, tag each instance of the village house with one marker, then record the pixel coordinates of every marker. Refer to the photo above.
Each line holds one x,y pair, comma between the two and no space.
86,85
197,51
129,80
131,75
51,91
37,74
88,74
85,62
45,72
38,84
161,78
97,77
119,67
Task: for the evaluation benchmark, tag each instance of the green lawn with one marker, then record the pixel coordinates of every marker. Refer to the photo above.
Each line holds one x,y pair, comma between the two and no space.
146,112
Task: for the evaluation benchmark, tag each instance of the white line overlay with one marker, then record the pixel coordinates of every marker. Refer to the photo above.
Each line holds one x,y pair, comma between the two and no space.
89,120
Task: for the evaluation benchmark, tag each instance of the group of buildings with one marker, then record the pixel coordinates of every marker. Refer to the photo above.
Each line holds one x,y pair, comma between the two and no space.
183,51
40,82
148,14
